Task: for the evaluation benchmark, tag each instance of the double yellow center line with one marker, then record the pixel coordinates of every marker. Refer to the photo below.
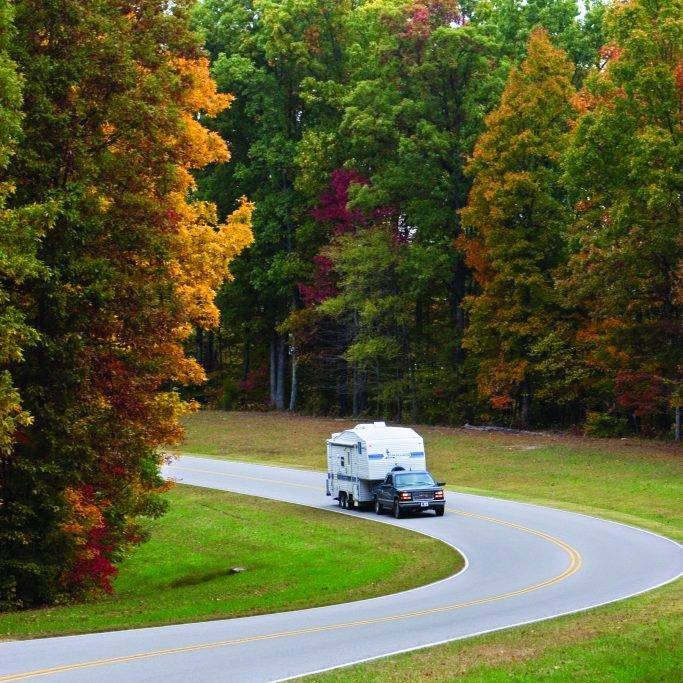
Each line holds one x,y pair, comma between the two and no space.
574,565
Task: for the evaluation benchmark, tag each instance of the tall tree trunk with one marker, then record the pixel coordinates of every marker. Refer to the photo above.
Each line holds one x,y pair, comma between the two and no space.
342,386
354,391
209,366
199,346
219,347
273,369
246,352
295,380
280,374
363,391
524,412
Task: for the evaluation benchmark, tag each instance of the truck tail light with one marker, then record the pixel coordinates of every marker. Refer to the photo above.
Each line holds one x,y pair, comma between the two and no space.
406,495
438,495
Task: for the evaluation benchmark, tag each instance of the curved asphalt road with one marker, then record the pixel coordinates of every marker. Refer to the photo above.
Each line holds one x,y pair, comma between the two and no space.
524,563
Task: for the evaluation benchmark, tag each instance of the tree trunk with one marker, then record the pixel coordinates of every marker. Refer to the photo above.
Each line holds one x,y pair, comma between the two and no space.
209,365
219,347
246,352
273,369
677,430
295,380
280,374
524,413
354,391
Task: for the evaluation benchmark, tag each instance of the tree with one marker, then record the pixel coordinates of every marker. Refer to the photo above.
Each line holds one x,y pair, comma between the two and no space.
623,170
17,247
371,304
269,53
111,136
514,223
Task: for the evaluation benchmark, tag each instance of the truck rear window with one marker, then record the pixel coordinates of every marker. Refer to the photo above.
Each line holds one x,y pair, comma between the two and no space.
414,479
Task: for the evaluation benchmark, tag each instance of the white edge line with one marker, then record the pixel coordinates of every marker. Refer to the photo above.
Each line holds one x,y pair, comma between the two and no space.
478,633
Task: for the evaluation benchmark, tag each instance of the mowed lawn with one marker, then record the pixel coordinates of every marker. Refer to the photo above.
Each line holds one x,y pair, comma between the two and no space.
183,573
630,480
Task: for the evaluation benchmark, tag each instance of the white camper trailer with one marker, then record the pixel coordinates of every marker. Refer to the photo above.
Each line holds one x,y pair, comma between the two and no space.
360,458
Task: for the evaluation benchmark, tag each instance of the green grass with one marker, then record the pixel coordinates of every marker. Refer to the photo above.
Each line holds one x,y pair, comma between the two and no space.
182,573
630,480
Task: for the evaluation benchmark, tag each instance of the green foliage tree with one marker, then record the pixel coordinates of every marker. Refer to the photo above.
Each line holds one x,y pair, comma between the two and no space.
624,172
16,245
373,276
268,53
514,223
396,91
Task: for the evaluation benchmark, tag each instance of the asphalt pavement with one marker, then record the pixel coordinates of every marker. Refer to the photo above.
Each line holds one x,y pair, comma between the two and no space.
524,563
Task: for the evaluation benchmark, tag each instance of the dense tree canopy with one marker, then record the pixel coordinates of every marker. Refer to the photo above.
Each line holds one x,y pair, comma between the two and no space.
464,211
362,135
624,172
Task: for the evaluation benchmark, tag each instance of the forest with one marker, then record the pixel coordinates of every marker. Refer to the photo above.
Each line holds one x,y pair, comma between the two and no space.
465,212
418,210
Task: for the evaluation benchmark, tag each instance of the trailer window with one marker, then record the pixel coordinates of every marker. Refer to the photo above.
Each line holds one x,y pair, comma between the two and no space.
359,446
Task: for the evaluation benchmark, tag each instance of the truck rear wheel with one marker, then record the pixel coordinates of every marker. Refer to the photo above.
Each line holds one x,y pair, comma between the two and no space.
378,506
396,510
439,512
342,500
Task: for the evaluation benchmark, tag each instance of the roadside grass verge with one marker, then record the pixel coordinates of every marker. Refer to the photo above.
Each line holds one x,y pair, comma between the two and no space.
628,480
182,574
637,641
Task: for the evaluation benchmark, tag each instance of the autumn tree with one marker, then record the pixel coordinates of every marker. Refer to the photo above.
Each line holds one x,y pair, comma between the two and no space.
110,139
514,223
624,172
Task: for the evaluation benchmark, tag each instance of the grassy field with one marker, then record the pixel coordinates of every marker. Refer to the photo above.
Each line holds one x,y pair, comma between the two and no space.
183,573
628,480
639,482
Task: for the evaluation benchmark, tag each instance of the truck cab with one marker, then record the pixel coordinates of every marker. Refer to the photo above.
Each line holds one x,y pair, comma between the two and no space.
409,491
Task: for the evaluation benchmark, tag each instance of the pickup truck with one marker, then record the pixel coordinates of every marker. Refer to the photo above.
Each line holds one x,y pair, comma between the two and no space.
403,491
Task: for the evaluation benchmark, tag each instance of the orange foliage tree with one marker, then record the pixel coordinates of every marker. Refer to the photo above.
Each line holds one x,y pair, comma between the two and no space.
513,227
